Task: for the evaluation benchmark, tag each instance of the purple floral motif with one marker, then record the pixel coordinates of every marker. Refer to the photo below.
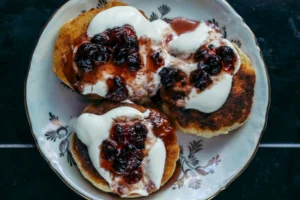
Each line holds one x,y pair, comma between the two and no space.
237,42
213,21
192,174
163,9
60,133
66,86
101,3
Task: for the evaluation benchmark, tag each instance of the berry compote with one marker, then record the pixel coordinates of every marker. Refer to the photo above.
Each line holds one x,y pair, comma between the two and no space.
211,61
123,152
119,44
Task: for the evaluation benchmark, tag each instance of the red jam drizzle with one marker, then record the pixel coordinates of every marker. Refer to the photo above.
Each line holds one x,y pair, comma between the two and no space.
162,128
181,25
123,152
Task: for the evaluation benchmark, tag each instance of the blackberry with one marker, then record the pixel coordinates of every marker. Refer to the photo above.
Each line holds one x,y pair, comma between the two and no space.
167,76
200,79
214,65
117,90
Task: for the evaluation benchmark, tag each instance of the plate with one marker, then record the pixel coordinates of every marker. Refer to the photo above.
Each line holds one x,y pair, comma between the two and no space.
208,165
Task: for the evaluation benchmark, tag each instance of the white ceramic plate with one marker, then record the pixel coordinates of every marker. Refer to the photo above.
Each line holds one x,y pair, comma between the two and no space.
208,165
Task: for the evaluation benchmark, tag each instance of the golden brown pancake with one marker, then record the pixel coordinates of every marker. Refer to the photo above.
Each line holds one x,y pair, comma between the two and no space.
70,37
232,115
69,34
81,156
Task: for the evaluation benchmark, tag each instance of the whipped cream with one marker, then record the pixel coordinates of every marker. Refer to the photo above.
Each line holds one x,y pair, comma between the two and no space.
160,26
188,43
212,98
120,16
93,129
99,88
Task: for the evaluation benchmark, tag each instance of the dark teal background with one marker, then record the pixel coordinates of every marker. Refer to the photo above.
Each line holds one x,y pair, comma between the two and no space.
274,173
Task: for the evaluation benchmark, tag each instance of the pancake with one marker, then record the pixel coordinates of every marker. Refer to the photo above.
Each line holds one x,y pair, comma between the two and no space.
97,69
69,33
232,115
83,161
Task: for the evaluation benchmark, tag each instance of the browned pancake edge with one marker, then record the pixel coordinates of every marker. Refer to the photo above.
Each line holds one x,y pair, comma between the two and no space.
233,114
81,157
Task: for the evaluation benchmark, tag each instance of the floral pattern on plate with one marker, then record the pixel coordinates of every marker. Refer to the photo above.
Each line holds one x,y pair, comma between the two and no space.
192,174
58,132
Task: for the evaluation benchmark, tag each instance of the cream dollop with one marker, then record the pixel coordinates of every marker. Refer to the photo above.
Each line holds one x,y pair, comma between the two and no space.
188,43
120,16
160,25
213,98
93,129
99,88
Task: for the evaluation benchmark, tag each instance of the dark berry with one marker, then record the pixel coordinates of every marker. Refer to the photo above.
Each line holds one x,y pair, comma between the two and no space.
201,54
200,79
86,64
180,76
133,154
156,99
119,133
139,145
135,160
139,136
141,130
120,165
117,37
167,76
85,55
101,38
132,44
178,95
88,53
226,53
214,65
134,176
134,62
157,59
117,90
202,65
94,50
211,46
109,149
119,56
103,54
129,159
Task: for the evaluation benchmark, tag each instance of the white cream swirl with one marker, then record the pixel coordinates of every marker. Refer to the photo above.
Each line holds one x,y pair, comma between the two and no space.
93,129
120,16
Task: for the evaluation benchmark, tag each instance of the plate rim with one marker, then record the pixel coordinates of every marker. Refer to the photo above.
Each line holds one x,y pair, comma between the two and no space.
222,188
